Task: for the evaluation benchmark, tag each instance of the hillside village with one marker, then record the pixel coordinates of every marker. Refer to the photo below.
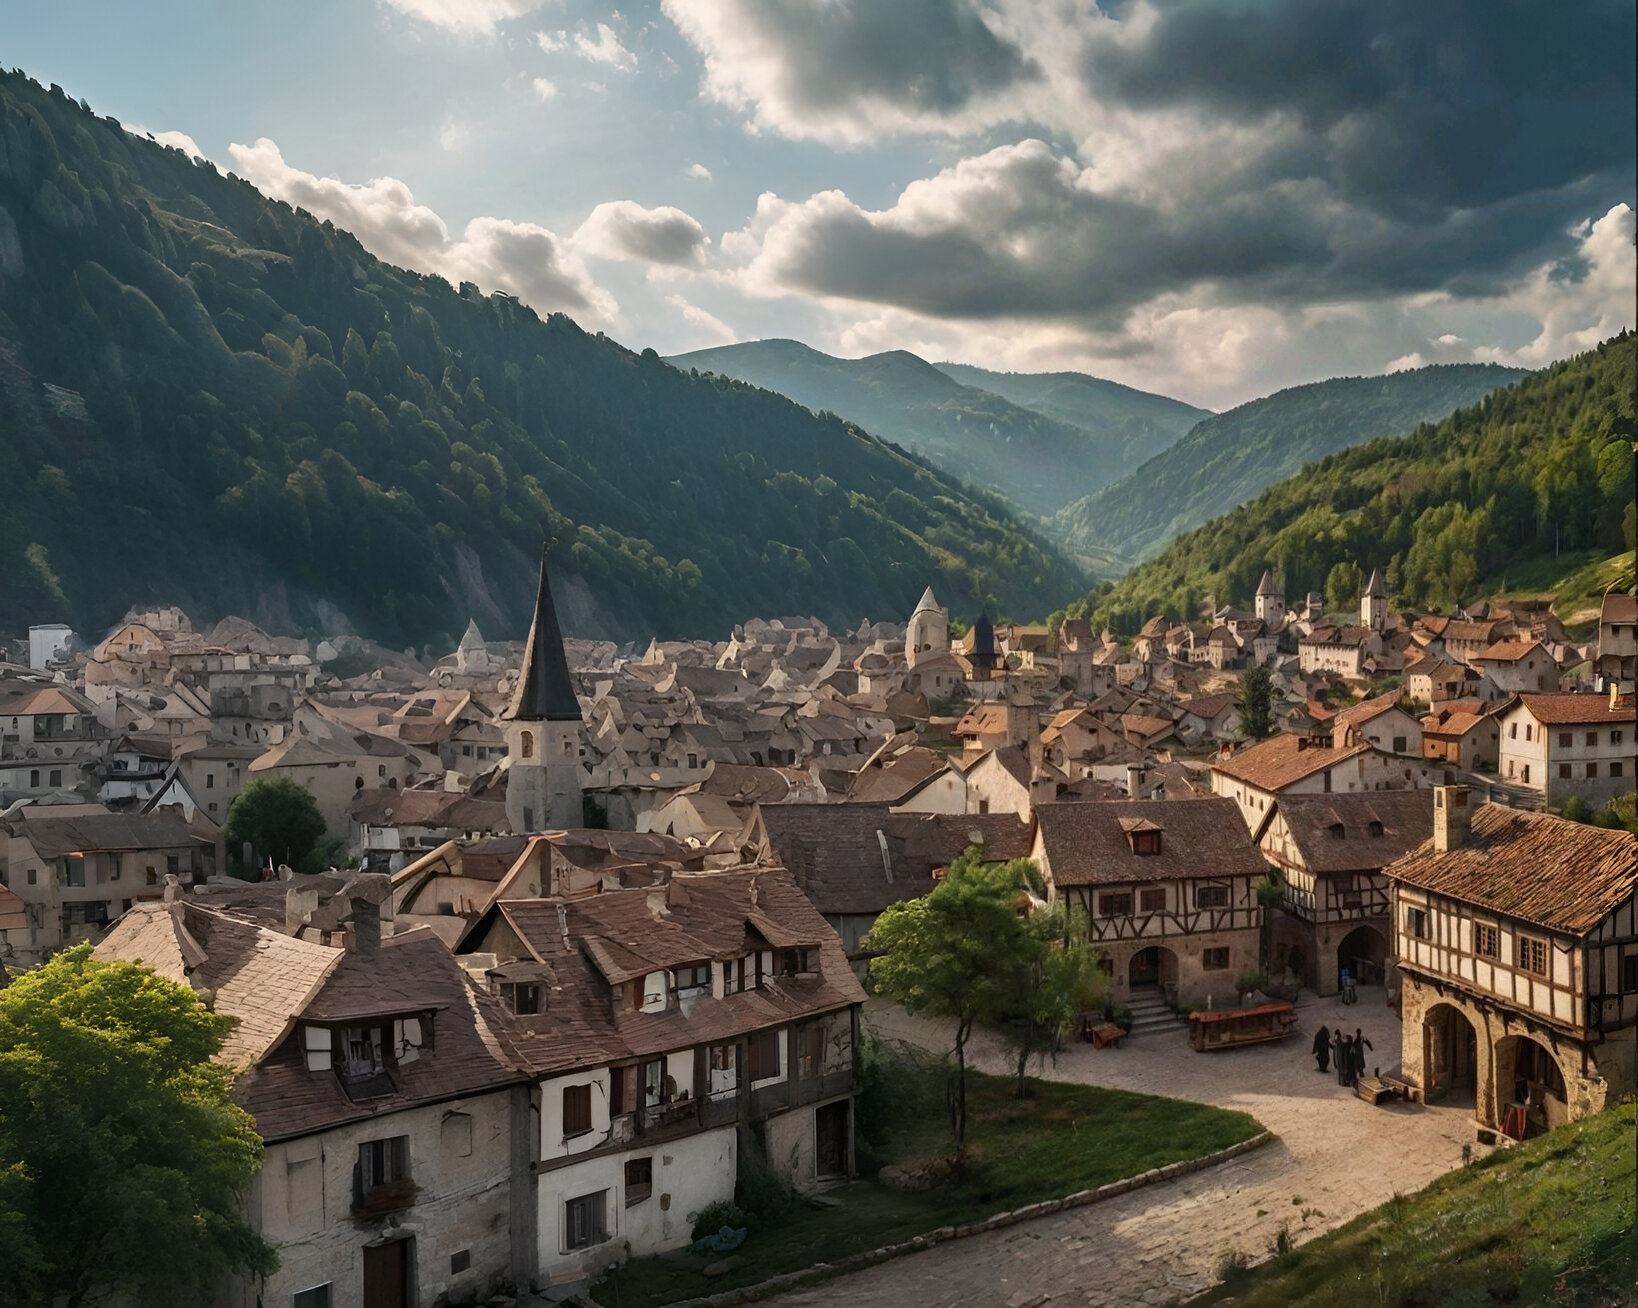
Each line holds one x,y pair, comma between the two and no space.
592,922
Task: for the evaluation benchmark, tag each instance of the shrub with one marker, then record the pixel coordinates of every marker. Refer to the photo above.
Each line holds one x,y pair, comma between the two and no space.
713,1217
1249,980
1231,1265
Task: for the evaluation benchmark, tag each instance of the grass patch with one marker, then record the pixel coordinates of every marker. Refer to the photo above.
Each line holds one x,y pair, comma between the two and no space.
1577,578
1550,1222
1060,1139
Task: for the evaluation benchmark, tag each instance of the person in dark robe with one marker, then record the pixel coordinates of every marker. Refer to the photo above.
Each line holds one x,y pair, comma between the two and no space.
1344,1057
1361,1044
1322,1049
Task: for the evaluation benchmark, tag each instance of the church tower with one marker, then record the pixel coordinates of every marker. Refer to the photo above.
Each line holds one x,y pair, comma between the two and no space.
1270,601
929,633
543,730
1373,604
983,657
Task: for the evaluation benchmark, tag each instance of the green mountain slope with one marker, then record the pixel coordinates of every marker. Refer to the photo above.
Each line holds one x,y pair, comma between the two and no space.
210,398
1228,458
1543,466
1040,459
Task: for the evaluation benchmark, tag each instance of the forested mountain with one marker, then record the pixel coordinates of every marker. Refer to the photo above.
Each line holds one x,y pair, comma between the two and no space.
210,398
1041,456
1228,458
1543,466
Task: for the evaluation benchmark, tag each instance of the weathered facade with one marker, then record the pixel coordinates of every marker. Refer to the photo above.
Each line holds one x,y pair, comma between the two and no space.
1516,937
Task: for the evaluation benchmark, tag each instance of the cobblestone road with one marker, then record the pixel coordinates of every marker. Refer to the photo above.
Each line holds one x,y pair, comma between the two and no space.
1336,1156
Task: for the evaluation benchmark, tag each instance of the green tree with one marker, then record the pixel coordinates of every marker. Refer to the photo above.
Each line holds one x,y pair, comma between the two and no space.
279,818
949,954
1054,979
1255,702
1343,585
123,1160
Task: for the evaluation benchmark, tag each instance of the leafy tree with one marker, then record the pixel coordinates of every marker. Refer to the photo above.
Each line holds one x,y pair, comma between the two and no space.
1343,584
280,819
1255,702
1054,979
123,1160
1270,895
949,954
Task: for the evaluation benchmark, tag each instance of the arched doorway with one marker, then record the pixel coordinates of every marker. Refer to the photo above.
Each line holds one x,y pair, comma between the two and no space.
1450,1056
1530,1094
1364,952
1154,968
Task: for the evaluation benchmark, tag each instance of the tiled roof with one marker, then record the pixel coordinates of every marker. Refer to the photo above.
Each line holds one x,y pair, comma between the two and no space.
898,778
1283,760
1403,818
1619,607
1086,843
55,836
1359,714
1577,710
1506,651
1532,866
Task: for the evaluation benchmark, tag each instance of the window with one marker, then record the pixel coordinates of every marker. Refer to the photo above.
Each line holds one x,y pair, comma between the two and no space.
1486,941
1526,773
56,776
1374,827
382,1164
380,769
459,1262
1118,904
1592,738
316,1297
1629,974
1215,960
1512,730
1592,772
526,998
697,977
1615,769
1153,900
583,1221
31,876
361,1052
113,867
764,1055
1564,739
1416,922
34,779
654,1083
173,863
1564,771
1146,842
722,1058
622,1089
526,744
1338,831
1532,955
794,962
210,781
1529,731
1211,897
577,1114
1615,737
639,1180
810,1049
73,870
1399,744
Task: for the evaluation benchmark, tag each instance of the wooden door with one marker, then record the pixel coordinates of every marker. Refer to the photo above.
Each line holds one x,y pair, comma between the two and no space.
830,1139
386,1275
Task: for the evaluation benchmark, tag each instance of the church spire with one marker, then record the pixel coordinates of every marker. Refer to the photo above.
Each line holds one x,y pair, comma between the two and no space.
545,691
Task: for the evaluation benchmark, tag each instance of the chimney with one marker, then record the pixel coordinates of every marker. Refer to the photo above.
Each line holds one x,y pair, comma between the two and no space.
1134,780
1452,818
366,893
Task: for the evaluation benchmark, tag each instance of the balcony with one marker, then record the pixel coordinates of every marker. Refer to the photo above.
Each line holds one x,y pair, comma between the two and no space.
720,1109
662,1117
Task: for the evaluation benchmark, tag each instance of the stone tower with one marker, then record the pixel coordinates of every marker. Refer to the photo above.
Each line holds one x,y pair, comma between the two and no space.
983,656
929,631
1373,604
1270,601
543,730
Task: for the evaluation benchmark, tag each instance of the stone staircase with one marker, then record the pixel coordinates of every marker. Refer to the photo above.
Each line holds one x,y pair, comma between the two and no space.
1150,1014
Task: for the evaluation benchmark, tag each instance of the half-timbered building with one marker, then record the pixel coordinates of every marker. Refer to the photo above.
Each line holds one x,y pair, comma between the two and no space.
1328,852
1518,949
1169,888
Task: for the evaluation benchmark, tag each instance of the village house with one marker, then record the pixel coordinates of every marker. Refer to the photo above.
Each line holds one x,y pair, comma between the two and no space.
1463,736
1342,650
1517,665
1564,745
1431,680
1517,944
77,867
49,740
332,762
1169,889
1382,722
1328,852
1616,663
216,774
665,1027
1305,765
1465,639
393,827
396,1123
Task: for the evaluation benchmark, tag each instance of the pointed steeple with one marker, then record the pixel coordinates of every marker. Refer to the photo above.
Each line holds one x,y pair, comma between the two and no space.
1266,586
545,691
928,603
1376,586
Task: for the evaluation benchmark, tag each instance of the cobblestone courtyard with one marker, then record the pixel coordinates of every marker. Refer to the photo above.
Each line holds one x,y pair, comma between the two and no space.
1335,1157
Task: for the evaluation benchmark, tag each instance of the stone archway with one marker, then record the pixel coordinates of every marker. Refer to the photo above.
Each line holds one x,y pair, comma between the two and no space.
1153,968
1530,1092
1450,1056
1364,952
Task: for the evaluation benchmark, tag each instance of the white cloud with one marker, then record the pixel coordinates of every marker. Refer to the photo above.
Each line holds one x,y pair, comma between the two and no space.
698,172
552,42
498,254
716,331
465,17
624,229
544,88
605,48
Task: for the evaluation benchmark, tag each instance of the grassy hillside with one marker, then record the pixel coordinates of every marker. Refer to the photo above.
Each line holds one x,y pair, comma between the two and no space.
213,399
1231,457
1040,455
1550,1222
1538,469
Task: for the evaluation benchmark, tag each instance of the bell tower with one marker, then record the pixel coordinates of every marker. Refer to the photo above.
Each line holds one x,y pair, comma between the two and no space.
929,632
543,730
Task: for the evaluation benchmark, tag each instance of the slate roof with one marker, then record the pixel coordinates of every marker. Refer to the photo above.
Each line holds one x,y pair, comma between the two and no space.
1086,843
55,836
1284,759
1578,710
545,692
1405,818
898,778
1541,869
385,806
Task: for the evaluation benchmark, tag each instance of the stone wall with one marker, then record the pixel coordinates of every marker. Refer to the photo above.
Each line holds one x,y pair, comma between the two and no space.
1183,964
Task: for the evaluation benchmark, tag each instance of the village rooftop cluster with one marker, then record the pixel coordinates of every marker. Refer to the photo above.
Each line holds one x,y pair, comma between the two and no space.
596,918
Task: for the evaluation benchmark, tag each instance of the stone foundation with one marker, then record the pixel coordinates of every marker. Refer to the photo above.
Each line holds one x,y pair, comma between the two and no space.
1183,972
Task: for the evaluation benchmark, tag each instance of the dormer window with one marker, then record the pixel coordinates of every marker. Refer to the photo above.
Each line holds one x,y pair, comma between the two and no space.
799,962
692,980
1146,842
1337,831
522,997
1375,827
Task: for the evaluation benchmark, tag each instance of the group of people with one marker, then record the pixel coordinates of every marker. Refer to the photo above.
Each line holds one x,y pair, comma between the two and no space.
1347,1051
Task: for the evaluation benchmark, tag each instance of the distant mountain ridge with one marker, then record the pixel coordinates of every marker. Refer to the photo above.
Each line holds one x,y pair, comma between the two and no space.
1040,439
1231,457
212,399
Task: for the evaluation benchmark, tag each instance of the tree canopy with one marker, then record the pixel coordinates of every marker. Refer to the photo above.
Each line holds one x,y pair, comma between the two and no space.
123,1161
280,819
1254,701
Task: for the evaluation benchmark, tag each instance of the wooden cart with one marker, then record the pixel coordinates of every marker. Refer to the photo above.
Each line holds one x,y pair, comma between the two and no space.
1225,1028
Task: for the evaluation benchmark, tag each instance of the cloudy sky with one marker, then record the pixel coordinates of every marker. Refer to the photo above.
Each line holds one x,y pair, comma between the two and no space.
1212,200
